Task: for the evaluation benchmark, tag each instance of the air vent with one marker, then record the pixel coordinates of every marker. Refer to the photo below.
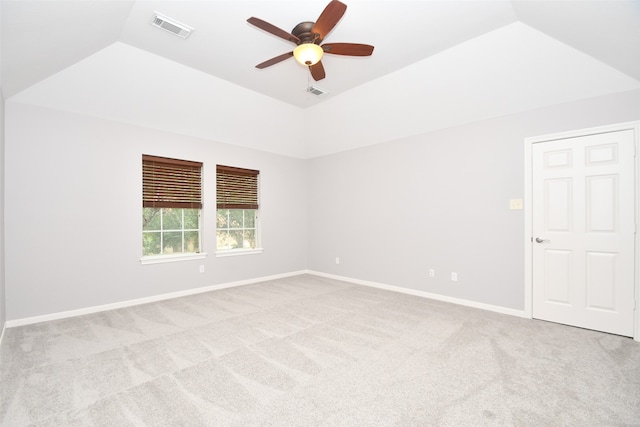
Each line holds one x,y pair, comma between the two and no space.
171,25
317,91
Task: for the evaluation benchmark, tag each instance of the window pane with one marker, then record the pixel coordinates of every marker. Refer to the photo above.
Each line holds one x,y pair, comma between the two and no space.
222,218
222,240
236,229
171,219
150,243
235,218
151,218
191,219
249,239
249,218
191,243
172,242
235,239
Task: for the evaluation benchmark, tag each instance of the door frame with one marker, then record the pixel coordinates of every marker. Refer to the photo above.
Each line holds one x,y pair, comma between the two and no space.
528,212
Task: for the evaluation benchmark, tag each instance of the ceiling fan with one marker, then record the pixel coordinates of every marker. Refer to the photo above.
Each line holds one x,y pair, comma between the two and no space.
308,36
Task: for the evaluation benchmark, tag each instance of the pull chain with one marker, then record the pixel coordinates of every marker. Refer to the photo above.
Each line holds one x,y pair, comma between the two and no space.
308,84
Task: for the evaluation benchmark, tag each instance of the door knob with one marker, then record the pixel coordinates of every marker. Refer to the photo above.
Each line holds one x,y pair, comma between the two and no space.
539,240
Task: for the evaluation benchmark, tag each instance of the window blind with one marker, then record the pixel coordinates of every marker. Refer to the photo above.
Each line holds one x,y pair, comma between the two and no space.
171,183
236,188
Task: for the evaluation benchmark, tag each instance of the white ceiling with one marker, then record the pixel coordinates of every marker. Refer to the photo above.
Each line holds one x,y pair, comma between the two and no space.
450,61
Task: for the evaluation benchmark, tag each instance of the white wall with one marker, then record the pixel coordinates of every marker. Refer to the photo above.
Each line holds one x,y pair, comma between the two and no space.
3,312
73,212
390,211
3,307
440,200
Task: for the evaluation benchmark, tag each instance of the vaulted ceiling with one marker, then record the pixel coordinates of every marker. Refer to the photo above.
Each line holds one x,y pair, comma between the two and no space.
450,61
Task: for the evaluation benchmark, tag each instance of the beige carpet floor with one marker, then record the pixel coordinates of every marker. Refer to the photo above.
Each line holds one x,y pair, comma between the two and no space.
307,351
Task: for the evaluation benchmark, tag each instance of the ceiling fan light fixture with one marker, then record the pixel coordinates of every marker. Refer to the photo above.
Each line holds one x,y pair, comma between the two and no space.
308,54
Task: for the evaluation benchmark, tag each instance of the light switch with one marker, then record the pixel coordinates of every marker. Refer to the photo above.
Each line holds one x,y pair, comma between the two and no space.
515,204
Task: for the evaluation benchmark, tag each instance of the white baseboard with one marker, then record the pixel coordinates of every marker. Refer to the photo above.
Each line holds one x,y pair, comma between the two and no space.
459,301
155,298
2,333
129,303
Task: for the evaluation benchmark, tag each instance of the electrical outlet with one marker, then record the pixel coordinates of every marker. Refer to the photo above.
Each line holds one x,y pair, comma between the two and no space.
432,272
454,277
202,269
337,260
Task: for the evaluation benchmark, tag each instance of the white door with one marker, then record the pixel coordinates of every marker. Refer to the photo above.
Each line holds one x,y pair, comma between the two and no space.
583,210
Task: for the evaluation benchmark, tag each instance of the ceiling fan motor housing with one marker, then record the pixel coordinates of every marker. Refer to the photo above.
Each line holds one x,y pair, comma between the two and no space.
303,31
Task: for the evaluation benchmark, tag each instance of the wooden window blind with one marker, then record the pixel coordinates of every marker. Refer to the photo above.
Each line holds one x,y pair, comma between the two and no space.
236,188
171,183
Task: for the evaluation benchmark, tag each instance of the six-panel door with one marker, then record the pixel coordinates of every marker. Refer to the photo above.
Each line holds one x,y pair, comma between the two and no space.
583,231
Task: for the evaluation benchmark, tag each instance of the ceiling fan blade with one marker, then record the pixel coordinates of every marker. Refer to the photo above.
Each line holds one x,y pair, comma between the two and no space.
270,28
317,71
350,49
328,19
274,60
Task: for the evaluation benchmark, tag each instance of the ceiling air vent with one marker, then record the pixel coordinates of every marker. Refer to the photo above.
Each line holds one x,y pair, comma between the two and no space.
317,91
171,25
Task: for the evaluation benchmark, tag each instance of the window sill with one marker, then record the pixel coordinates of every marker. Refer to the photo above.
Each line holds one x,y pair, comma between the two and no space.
235,252
158,259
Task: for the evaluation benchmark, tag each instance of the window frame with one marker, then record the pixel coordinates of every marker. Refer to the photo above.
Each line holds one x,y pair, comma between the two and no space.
239,202
188,196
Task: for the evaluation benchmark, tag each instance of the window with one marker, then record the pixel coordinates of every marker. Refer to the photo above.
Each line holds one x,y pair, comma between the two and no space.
171,205
237,209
